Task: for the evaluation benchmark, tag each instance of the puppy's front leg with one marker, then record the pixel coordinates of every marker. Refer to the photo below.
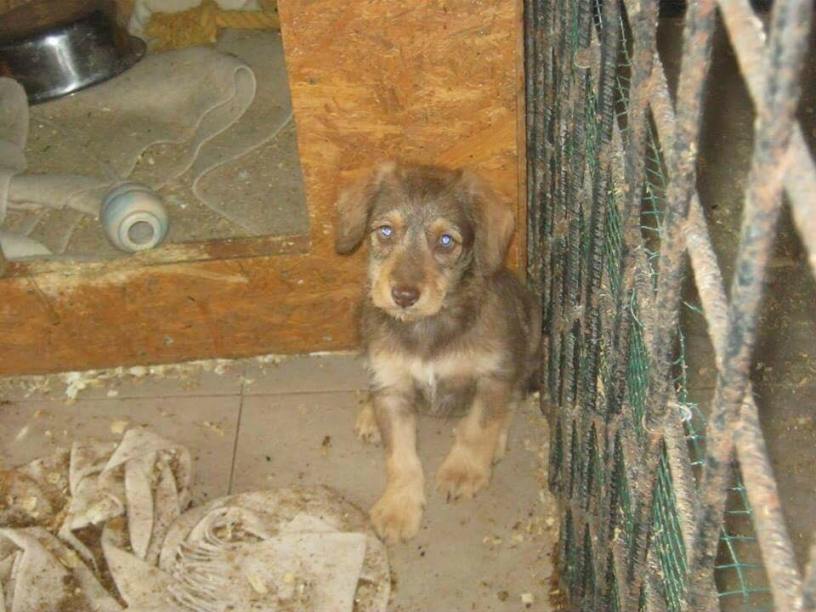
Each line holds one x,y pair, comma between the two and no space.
480,440
397,515
366,426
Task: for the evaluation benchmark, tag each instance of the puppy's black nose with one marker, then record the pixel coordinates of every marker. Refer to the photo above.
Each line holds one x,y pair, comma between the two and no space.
405,296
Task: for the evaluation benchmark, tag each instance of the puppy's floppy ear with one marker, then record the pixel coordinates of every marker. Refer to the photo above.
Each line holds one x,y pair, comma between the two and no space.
495,222
354,205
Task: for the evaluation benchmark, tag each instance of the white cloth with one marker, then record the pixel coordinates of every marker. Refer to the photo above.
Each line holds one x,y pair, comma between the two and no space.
117,510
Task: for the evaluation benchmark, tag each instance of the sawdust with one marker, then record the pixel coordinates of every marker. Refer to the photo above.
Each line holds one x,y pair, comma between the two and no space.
70,385
214,427
539,528
118,427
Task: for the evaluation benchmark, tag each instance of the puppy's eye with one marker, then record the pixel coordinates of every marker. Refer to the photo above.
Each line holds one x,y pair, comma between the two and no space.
446,241
385,231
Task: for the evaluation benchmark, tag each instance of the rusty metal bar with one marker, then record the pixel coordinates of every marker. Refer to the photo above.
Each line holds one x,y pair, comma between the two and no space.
610,39
532,93
632,595
772,534
747,37
800,184
575,63
559,43
644,17
546,39
769,520
682,477
697,42
572,271
676,446
809,586
558,33
775,113
774,541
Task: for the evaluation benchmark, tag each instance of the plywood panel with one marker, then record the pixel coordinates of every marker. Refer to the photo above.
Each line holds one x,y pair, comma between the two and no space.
433,82
7,5
421,81
124,7
110,315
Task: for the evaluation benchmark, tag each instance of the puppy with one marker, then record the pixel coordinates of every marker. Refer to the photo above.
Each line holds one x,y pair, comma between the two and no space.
444,323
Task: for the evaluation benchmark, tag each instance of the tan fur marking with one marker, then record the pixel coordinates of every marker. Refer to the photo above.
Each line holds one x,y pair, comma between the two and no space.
353,206
397,515
366,426
381,274
391,369
480,438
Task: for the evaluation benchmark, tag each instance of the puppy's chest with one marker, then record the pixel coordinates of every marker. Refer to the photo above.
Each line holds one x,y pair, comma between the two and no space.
442,388
446,383
430,381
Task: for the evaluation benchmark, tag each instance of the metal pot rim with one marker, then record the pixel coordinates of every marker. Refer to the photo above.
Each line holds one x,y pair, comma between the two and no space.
81,46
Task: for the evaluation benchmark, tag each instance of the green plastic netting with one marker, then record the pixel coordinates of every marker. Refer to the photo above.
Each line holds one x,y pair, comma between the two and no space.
596,443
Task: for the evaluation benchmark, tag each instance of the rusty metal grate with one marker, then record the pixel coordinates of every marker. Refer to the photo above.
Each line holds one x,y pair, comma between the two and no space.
650,486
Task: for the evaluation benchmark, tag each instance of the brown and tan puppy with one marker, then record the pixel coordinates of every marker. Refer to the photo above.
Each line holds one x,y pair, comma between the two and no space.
444,325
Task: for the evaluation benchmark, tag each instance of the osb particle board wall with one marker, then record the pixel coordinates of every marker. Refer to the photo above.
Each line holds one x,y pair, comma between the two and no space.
431,81
124,7
6,5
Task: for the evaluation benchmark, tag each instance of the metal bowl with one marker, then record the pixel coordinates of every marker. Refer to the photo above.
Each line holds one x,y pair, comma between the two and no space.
56,47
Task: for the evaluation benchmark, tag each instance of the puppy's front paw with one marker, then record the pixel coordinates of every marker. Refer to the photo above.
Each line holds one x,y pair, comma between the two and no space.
396,517
366,426
463,473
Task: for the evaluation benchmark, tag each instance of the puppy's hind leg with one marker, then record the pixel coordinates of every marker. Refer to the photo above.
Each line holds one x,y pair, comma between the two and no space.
398,513
366,426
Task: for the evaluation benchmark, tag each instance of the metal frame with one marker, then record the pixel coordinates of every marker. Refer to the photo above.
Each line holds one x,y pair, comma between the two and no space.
587,176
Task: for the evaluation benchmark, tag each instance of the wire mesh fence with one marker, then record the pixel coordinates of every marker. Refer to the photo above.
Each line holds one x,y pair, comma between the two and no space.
658,496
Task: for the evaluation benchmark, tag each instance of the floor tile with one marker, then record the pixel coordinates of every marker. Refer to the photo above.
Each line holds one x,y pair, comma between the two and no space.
306,374
206,425
305,439
789,428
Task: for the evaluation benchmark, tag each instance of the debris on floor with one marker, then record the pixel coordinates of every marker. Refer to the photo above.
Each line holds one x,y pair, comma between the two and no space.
105,526
291,420
70,385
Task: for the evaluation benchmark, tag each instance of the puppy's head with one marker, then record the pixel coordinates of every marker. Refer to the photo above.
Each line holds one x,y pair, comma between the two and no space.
428,228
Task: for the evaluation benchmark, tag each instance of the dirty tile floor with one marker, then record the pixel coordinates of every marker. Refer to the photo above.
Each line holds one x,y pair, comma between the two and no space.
263,423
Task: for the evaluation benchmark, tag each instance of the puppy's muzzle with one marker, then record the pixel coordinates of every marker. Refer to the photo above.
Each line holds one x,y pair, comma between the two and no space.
405,296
